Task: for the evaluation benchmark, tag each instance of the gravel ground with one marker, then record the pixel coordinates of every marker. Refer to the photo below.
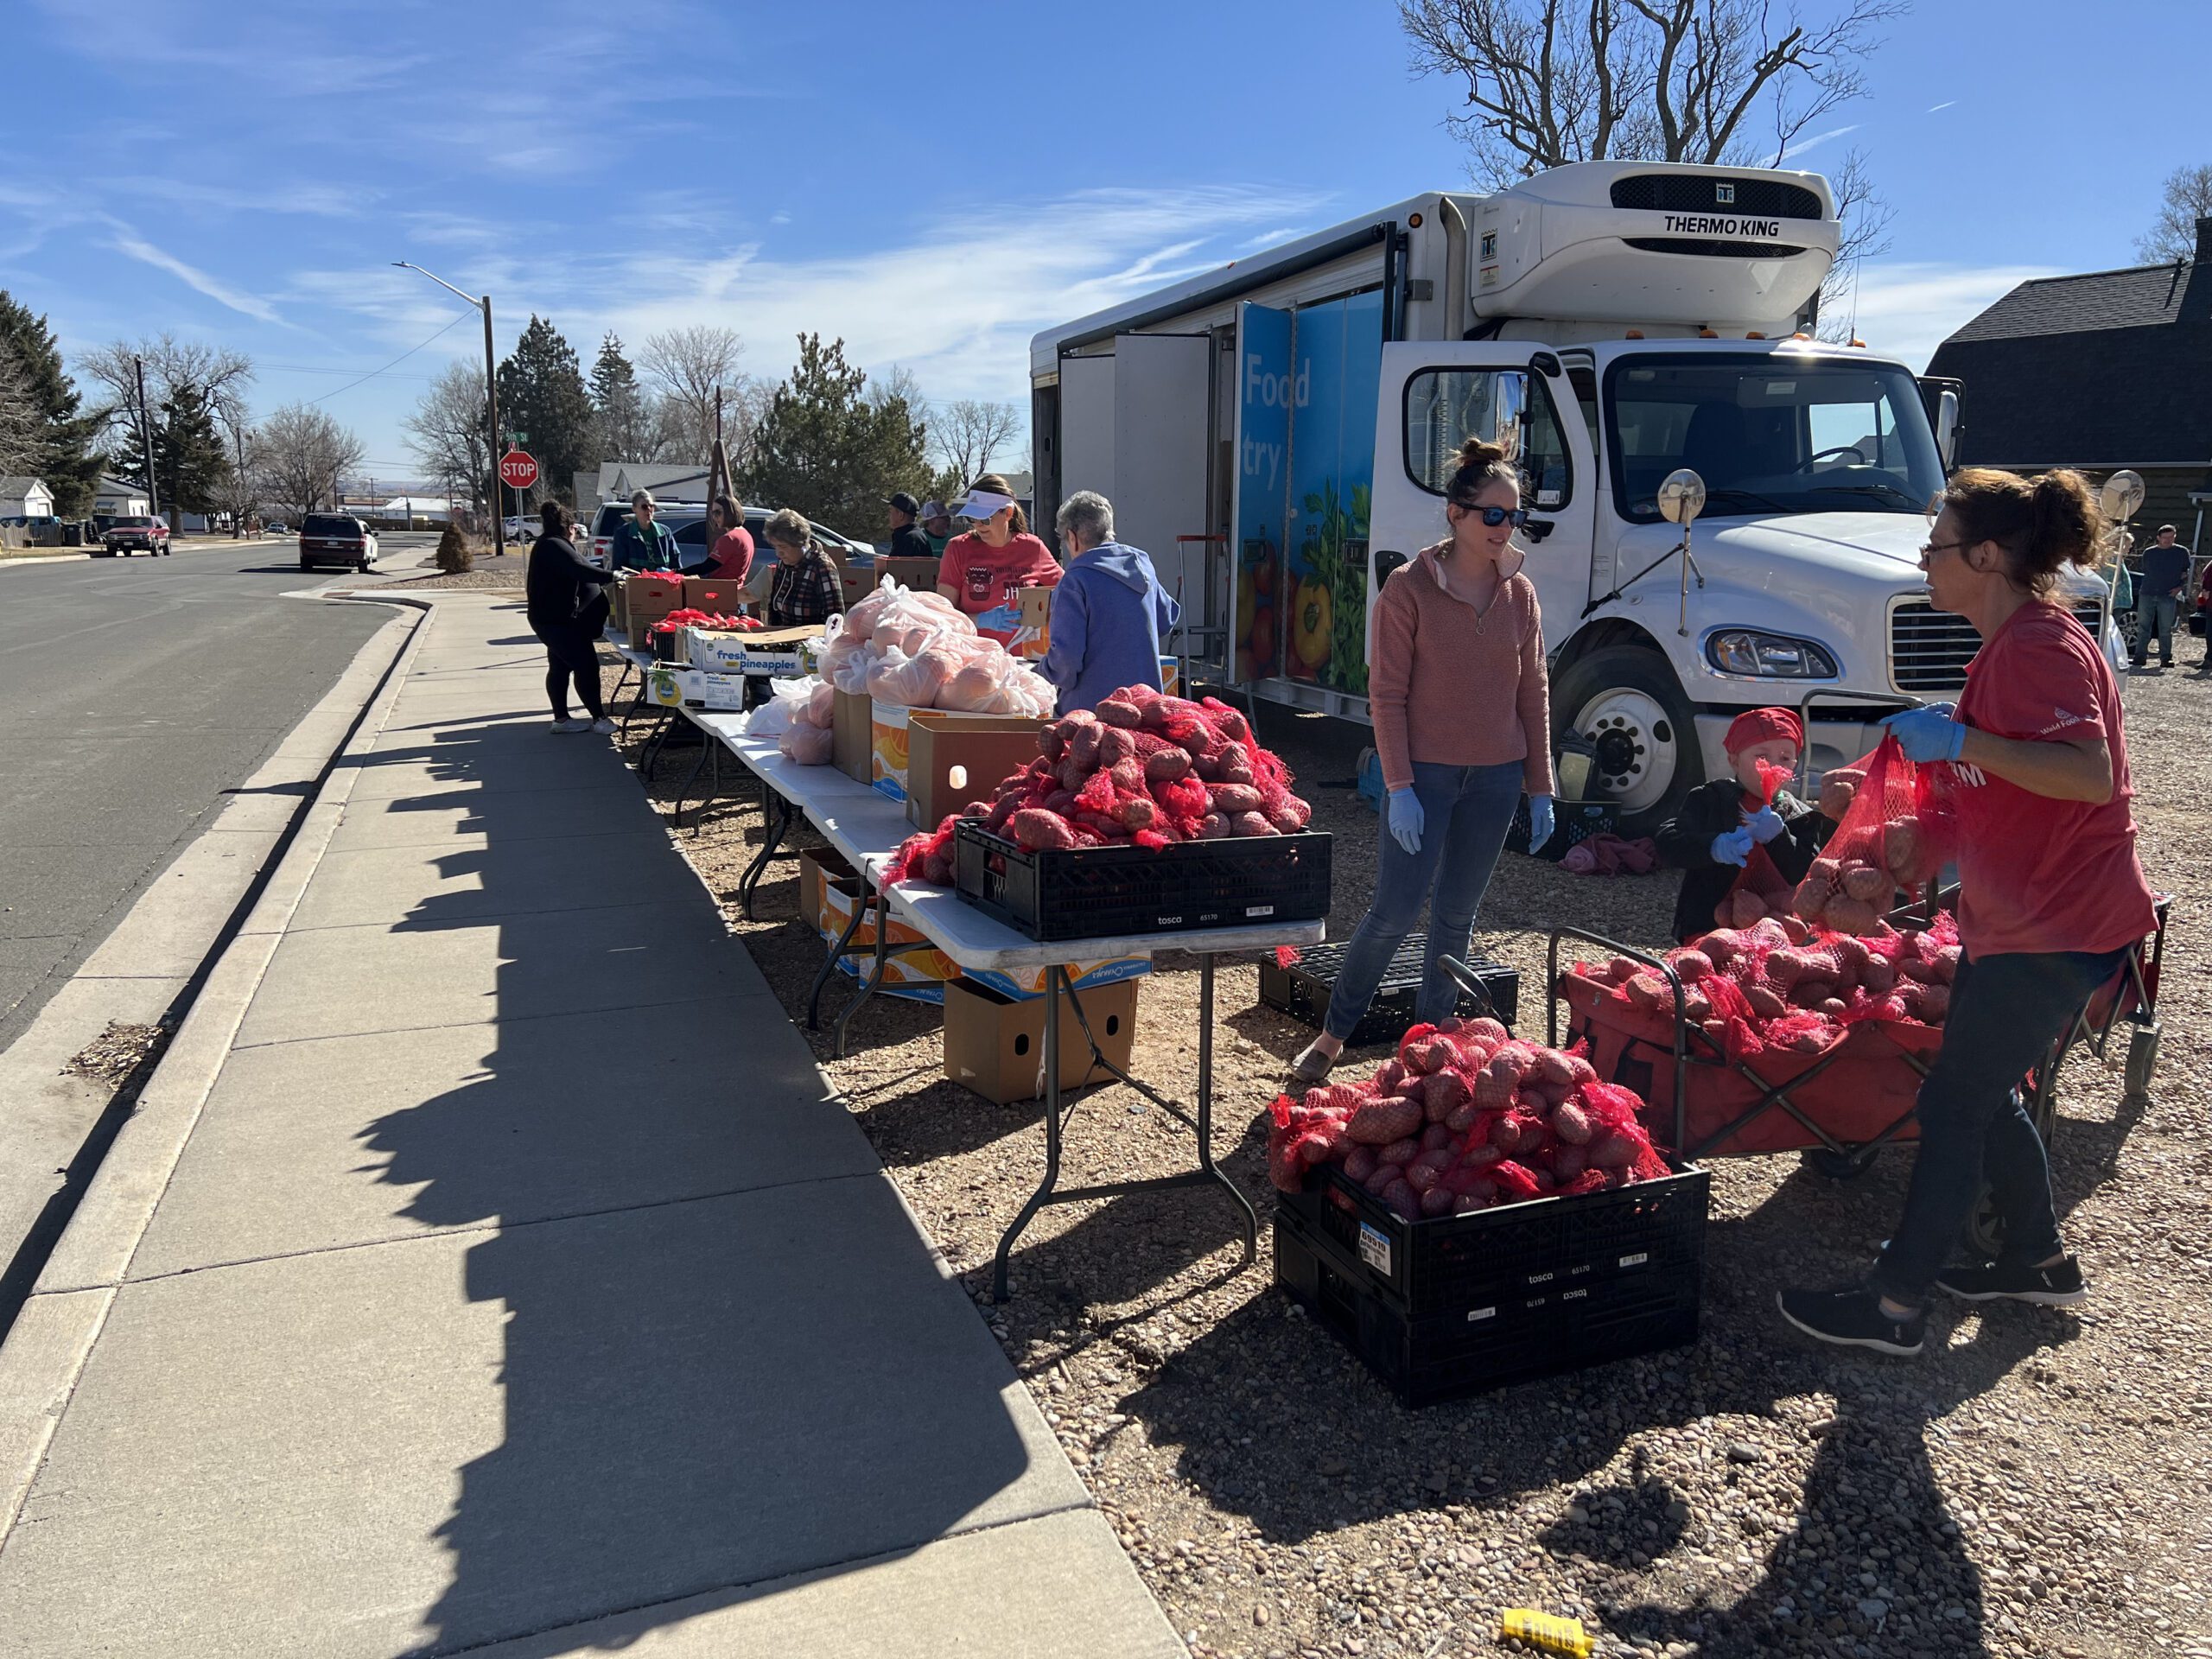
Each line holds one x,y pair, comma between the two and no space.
2039,1483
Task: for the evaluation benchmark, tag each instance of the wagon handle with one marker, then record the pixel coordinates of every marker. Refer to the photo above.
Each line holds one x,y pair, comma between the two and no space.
1465,976
1674,983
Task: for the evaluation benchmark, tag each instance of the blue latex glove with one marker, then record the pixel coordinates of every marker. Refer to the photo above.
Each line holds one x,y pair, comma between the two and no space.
1733,846
1927,735
1539,821
1765,824
1406,819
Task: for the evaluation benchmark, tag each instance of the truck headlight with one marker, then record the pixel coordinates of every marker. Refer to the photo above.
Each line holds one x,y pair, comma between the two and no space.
1767,655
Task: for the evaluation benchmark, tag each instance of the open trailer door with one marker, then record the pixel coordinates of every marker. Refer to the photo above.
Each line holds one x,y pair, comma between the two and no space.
1162,403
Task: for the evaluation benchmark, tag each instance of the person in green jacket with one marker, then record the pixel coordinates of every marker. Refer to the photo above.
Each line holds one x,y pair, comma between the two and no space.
641,545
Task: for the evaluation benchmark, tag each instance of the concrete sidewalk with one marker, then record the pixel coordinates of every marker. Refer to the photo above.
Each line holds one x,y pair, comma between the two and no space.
453,1291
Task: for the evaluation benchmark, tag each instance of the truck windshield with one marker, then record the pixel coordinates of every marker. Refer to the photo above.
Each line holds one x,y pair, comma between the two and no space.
1770,433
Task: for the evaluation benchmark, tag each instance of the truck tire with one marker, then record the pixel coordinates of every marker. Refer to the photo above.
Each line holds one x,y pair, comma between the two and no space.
1624,700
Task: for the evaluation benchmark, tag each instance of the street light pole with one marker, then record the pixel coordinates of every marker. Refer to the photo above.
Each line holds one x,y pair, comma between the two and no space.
146,440
492,397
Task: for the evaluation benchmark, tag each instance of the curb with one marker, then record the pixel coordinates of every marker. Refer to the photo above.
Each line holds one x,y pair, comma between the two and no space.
45,1350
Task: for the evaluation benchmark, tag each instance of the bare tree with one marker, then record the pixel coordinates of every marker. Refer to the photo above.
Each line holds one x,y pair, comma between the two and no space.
2172,235
688,365
448,429
21,427
966,435
300,453
1717,82
215,374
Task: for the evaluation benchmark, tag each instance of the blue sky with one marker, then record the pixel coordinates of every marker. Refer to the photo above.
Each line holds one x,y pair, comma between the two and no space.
934,182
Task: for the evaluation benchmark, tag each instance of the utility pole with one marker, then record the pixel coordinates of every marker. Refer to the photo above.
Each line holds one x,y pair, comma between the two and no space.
146,440
491,391
491,394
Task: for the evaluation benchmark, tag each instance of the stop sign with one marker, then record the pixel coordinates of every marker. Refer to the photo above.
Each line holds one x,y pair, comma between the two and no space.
517,471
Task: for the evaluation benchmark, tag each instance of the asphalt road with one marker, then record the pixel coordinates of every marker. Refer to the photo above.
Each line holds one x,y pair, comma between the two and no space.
133,694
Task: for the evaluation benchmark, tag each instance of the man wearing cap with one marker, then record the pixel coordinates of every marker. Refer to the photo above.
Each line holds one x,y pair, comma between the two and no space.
1727,822
936,525
906,541
641,545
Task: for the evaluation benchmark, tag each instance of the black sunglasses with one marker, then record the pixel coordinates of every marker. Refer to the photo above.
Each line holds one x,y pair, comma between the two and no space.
1494,517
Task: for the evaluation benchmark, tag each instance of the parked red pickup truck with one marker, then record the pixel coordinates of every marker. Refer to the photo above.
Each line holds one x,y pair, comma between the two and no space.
137,534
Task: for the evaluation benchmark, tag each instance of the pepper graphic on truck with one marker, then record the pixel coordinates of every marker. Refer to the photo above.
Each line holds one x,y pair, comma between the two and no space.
1277,433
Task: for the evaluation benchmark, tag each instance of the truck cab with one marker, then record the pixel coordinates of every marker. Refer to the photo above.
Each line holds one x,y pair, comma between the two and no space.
1615,325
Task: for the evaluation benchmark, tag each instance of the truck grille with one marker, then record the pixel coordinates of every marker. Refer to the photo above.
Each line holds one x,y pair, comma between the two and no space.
1721,250
1929,649
1680,192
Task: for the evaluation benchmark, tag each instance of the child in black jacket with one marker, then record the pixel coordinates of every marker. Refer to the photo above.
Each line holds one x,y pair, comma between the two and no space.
1721,822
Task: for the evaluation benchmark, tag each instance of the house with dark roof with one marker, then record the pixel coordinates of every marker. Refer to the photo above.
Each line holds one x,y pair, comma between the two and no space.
2102,370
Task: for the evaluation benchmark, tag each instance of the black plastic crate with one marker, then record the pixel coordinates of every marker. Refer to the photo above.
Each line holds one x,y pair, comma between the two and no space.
1490,1342
1100,892
1302,990
1651,1229
1572,823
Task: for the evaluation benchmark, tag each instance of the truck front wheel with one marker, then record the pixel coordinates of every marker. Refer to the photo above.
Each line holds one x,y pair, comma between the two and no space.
1623,701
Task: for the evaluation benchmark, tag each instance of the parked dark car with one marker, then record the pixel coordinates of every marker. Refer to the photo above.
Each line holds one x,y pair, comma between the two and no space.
336,538
133,533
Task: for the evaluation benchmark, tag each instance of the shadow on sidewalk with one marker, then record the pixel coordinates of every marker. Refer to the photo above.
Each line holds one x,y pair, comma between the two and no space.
719,1366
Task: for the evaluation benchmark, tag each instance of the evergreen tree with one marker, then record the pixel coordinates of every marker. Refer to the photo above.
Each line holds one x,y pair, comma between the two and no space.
627,429
189,458
825,449
63,454
542,392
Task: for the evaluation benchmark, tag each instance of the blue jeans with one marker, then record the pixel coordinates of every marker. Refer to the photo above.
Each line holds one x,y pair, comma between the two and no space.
2154,614
2004,1011
1465,813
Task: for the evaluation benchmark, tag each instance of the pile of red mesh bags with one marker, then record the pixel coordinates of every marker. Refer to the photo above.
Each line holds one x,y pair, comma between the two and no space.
1893,831
1143,770
690,618
1466,1118
1781,985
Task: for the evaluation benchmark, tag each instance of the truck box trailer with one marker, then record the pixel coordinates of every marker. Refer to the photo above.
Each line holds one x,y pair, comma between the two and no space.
1277,434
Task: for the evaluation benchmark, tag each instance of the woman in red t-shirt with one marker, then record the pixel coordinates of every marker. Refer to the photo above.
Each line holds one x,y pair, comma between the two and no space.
982,570
729,545
2052,899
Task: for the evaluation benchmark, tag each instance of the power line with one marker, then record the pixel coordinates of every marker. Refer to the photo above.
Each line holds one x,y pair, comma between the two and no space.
311,368
402,357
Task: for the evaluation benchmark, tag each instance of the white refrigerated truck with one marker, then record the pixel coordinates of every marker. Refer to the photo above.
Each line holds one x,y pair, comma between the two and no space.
1277,434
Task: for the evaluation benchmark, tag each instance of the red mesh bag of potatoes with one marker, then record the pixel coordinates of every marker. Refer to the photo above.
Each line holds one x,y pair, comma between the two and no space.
1896,835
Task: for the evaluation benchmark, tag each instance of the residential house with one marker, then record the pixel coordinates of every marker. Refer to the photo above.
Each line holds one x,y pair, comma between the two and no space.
2108,370
25,497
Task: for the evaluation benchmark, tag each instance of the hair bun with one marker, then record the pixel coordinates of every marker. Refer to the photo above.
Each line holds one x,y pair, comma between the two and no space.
1480,452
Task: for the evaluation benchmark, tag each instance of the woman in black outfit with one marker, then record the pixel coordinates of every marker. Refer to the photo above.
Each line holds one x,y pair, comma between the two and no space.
568,611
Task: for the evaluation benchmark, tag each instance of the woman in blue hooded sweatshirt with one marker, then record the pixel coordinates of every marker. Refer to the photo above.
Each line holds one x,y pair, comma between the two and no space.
1109,613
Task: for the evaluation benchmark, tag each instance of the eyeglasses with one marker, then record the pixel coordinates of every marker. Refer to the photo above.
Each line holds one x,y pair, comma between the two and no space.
1929,550
1494,517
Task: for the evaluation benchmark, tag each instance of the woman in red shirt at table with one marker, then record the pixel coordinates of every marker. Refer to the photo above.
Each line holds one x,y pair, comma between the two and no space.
729,545
2052,899
982,570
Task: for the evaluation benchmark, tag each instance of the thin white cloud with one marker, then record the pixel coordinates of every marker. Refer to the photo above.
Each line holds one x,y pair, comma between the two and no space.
1801,146
1945,104
222,293
1908,309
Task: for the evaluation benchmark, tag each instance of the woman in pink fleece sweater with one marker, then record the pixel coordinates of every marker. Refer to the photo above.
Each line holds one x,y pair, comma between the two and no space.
1463,724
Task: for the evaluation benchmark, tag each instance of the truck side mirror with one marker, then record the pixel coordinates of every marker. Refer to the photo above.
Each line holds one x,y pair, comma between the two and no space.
1682,495
1946,426
1509,398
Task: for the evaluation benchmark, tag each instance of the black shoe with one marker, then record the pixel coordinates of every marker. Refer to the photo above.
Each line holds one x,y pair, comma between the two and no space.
1851,1319
2058,1285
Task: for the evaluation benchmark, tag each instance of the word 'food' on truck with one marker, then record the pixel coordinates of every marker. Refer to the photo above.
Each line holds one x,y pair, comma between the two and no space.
1613,322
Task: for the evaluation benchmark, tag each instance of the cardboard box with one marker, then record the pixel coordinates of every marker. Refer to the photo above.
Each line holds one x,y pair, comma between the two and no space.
919,975
713,595
668,685
953,759
714,694
1035,638
858,580
1171,676
908,573
852,737
818,865
994,1044
887,745
782,652
638,634
648,600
